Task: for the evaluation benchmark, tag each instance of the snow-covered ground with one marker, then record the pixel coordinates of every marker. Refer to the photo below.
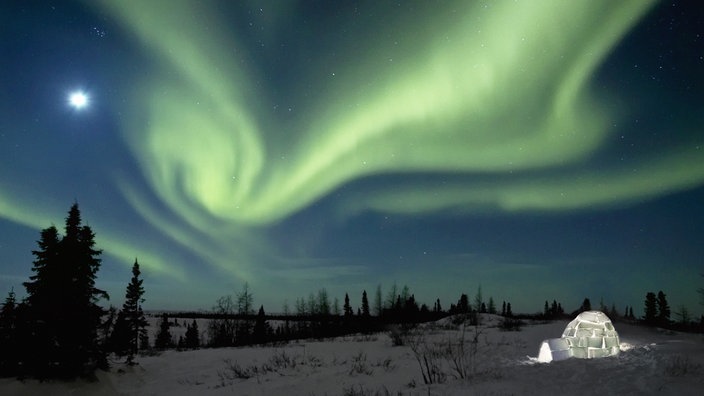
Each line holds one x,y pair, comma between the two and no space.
652,361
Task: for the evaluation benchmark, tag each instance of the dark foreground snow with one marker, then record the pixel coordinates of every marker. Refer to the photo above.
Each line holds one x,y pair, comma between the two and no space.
651,362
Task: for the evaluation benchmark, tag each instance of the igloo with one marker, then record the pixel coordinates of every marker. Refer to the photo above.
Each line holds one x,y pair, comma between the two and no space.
590,335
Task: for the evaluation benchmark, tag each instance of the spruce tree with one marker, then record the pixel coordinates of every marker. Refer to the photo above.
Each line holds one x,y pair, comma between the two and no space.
62,312
365,304
663,318
9,357
120,336
136,323
163,337
44,298
192,336
650,308
347,309
463,304
479,299
261,329
586,305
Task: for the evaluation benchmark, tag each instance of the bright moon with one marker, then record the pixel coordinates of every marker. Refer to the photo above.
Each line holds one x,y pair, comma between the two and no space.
78,100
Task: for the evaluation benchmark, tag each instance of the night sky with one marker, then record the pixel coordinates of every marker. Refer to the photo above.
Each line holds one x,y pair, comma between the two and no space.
541,149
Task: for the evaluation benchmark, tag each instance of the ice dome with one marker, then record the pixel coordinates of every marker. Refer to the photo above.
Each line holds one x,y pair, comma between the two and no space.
591,334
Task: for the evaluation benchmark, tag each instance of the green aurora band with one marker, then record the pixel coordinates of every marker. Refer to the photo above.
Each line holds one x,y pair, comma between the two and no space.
498,91
501,91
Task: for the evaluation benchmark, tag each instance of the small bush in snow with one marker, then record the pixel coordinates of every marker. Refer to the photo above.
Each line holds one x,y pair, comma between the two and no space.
399,334
359,365
510,324
235,371
428,357
281,360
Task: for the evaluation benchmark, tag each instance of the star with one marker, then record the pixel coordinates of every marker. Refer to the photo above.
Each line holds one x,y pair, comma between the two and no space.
78,100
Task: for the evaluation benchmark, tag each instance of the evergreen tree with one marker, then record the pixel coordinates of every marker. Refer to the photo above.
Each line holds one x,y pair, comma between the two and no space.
438,307
509,313
143,342
120,336
261,329
136,323
492,306
347,309
463,304
62,312
192,336
365,304
651,309
479,299
44,304
586,305
9,357
663,318
503,309
163,337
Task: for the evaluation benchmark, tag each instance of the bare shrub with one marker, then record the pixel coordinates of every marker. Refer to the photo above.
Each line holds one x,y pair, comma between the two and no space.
511,324
428,357
399,334
313,361
386,364
461,355
458,357
233,371
281,360
359,365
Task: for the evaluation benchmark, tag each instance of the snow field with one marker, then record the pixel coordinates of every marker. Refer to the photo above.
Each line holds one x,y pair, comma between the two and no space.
503,363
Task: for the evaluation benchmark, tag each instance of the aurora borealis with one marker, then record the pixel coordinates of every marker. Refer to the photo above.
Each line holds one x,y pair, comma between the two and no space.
542,149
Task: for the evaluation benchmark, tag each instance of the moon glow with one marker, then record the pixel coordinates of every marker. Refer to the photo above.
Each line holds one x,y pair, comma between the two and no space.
78,100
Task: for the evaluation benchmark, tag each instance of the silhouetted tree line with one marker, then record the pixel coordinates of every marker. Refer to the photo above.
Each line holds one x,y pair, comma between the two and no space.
59,330
553,311
657,310
316,316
